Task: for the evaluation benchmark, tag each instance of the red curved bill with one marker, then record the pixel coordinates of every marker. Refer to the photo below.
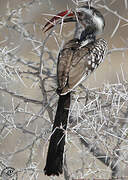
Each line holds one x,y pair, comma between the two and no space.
52,22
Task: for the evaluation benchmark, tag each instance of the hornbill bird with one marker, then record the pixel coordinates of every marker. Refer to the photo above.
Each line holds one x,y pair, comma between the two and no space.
76,61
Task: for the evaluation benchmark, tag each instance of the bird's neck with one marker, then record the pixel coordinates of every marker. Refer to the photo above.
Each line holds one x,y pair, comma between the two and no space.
89,33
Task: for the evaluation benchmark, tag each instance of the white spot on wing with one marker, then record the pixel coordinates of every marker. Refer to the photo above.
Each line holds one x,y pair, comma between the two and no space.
93,65
93,59
89,62
86,68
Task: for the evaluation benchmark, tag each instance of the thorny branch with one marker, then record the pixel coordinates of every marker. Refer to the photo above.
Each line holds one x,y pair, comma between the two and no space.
25,99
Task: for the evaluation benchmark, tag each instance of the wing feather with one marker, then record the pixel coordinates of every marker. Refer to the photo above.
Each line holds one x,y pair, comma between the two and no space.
75,64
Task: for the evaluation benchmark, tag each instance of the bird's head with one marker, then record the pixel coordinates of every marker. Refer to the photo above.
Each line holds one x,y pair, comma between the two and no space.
89,16
85,15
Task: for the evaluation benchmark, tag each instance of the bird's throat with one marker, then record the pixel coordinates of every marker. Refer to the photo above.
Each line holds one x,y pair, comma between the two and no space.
88,33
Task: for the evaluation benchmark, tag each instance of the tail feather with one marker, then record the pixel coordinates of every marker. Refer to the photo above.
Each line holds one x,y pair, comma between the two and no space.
54,162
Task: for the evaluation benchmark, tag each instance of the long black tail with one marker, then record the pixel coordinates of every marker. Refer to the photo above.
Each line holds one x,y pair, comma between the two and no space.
54,162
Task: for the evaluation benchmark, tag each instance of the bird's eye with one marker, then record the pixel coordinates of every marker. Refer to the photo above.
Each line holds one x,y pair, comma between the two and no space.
80,14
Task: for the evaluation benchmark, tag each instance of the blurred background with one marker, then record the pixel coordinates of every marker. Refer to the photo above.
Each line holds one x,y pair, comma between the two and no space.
21,37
